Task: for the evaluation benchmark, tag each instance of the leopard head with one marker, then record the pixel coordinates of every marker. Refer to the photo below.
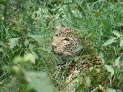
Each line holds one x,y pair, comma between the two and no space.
64,42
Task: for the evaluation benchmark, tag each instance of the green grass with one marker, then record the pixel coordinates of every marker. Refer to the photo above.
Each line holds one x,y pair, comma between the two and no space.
26,34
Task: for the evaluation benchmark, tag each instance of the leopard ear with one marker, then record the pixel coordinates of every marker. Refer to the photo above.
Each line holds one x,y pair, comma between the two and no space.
60,27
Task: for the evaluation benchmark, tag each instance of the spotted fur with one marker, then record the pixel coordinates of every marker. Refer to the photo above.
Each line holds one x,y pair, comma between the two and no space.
65,42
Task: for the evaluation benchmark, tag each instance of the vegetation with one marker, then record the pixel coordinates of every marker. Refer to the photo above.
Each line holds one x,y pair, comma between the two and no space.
27,63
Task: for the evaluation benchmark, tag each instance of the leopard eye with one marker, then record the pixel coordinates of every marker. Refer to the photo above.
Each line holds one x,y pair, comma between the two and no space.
57,35
71,49
67,39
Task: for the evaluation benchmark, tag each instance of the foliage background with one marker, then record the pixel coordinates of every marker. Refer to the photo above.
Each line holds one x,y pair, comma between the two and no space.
26,34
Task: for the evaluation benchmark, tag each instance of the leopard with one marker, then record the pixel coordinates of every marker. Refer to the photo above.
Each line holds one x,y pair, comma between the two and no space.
65,42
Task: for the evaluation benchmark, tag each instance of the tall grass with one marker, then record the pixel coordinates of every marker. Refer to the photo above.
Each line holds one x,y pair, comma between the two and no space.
26,34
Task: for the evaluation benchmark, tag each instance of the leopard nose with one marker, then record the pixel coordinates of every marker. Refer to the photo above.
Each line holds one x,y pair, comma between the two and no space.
60,54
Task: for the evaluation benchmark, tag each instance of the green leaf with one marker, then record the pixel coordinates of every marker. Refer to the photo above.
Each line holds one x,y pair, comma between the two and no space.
110,41
101,56
39,38
39,81
110,90
121,42
13,42
117,61
4,1
17,60
110,69
117,34
29,57
88,81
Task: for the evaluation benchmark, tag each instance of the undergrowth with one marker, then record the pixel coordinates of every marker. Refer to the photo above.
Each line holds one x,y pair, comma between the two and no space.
27,63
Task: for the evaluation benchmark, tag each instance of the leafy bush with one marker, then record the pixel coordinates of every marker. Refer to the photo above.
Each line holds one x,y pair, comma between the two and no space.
28,27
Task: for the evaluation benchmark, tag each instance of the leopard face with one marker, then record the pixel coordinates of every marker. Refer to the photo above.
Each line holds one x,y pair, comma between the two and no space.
64,42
